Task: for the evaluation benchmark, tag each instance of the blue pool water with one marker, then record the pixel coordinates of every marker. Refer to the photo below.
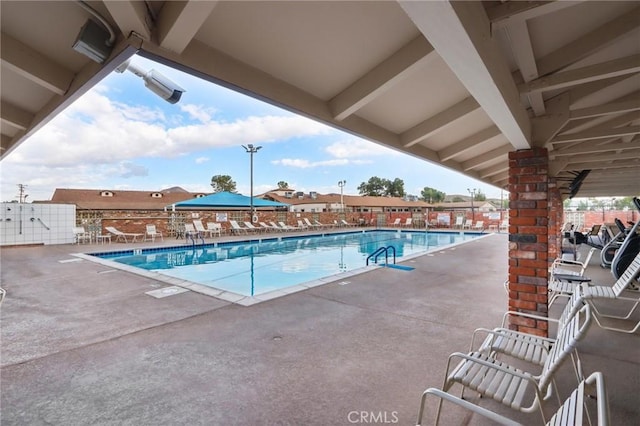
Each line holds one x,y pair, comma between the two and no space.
253,268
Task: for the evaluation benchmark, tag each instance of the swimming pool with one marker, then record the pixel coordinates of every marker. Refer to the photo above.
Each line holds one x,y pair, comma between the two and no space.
253,268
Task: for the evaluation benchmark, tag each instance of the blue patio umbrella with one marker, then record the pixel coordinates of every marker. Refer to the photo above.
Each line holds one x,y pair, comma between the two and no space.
229,200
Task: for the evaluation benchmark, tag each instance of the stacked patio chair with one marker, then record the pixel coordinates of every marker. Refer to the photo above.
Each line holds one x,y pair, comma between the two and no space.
507,384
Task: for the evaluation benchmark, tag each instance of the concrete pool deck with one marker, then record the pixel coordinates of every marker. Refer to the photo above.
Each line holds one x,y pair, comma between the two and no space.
83,343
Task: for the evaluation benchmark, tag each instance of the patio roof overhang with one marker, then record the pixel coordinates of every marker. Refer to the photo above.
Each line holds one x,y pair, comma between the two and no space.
459,84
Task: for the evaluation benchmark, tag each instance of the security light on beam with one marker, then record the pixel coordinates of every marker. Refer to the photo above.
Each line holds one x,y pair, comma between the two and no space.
156,82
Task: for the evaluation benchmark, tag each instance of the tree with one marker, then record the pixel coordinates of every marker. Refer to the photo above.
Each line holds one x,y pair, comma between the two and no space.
221,183
375,187
395,188
283,185
480,196
458,199
432,195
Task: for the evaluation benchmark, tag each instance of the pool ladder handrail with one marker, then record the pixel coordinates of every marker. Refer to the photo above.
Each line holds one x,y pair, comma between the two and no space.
193,241
381,250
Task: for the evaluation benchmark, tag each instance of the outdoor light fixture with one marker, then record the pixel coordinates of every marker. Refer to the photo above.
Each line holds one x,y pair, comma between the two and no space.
252,150
473,195
156,82
341,184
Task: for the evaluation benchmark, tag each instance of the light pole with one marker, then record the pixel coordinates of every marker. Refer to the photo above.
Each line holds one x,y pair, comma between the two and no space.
341,184
473,195
251,150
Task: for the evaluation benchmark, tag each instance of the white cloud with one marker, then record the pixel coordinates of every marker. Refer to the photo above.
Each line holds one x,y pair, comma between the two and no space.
306,164
354,147
198,112
201,160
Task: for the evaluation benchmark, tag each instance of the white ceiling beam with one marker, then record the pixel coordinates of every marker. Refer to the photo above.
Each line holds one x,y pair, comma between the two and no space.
588,89
439,121
131,16
460,33
487,157
561,80
34,66
381,78
599,158
500,180
5,142
618,121
510,12
547,126
605,165
596,146
494,170
179,21
597,134
468,143
588,44
15,116
520,42
607,109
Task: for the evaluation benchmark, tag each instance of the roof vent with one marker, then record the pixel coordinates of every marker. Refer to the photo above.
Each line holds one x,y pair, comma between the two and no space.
156,195
200,195
313,194
106,194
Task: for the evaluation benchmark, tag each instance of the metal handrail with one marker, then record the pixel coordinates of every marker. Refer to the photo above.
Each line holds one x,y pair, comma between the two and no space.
381,250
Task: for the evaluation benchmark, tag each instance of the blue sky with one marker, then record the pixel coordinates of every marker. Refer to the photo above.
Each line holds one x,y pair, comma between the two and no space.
120,135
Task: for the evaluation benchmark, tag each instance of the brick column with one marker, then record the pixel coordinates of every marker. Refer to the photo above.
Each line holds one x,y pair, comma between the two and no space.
528,237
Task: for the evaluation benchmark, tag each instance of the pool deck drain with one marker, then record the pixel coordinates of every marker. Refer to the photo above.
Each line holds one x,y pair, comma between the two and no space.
166,292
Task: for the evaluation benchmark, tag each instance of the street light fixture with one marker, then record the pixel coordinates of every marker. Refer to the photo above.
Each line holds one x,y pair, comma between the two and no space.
341,184
473,192
251,150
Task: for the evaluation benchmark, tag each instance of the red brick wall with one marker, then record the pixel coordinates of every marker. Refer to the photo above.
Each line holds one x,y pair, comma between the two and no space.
529,199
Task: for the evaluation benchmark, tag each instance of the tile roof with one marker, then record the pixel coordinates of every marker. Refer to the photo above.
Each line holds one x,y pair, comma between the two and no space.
98,199
349,200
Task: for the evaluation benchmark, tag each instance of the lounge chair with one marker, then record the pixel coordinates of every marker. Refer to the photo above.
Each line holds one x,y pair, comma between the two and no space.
197,223
152,233
467,224
251,227
565,275
302,225
479,226
266,227
510,385
570,413
459,222
81,236
504,225
345,223
191,232
592,293
287,227
396,222
123,235
236,228
524,346
311,225
407,223
213,229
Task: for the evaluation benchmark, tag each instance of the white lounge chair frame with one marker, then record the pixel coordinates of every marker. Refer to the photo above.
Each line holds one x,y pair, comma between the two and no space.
524,346
592,293
572,412
81,236
510,385
563,287
152,233
119,234
236,228
213,229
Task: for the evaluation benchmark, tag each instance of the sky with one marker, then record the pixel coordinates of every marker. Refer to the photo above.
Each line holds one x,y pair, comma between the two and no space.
121,136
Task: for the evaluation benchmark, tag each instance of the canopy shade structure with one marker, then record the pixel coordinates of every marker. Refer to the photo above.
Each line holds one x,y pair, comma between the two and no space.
229,200
456,83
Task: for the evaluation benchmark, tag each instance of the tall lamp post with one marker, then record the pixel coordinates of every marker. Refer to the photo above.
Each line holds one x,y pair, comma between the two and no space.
251,150
472,191
341,184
